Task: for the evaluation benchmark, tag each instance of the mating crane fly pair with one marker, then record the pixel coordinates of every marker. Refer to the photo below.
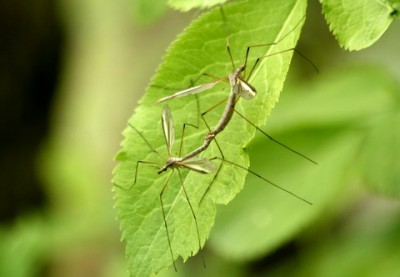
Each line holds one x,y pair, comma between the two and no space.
239,87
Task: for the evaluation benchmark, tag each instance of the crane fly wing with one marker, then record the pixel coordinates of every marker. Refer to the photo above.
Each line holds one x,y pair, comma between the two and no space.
200,165
192,90
245,90
168,128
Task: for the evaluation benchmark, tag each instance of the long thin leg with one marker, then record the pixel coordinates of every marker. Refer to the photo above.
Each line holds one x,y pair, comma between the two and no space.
208,126
192,210
228,32
183,135
214,139
165,219
274,140
205,122
220,166
205,74
270,44
189,124
210,184
136,173
263,178
280,52
214,106
146,141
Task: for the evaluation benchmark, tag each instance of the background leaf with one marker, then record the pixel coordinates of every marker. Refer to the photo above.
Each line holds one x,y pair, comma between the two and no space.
185,5
361,135
146,11
202,48
68,88
357,24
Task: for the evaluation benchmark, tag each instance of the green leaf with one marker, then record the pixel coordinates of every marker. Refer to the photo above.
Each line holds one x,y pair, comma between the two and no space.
357,244
262,217
365,99
28,239
346,97
186,5
146,11
345,120
358,24
201,48
381,152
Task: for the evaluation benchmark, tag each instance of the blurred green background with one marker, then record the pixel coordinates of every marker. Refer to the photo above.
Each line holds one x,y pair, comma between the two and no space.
71,75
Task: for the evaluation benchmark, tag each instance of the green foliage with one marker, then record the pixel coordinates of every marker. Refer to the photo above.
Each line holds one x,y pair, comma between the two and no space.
346,118
341,254
380,158
336,141
185,5
21,248
146,11
358,24
201,48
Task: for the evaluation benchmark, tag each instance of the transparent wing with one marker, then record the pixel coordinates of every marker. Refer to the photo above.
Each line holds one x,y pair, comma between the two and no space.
168,128
245,90
200,165
192,90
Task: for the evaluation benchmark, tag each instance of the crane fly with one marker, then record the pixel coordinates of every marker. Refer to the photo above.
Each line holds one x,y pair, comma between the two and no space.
191,162
196,164
239,88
